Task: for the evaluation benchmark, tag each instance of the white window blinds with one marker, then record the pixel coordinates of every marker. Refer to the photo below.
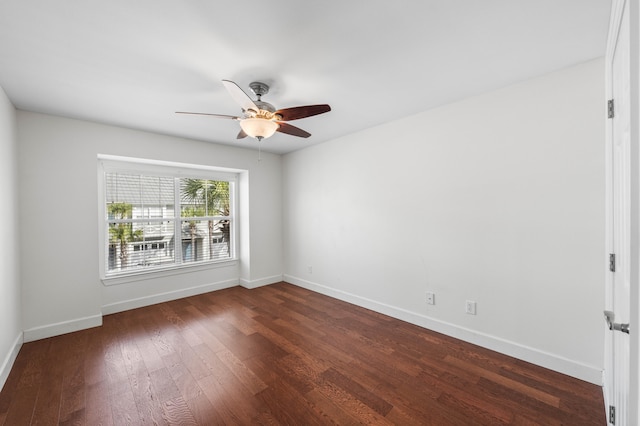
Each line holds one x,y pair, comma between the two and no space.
159,219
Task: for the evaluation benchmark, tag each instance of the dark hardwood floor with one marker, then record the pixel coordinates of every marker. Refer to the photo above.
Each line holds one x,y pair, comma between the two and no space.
280,355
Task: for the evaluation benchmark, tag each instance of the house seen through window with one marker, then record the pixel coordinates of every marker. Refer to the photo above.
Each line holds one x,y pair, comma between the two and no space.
161,221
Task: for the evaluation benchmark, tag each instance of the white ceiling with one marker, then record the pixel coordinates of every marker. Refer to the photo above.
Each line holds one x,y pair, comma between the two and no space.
133,63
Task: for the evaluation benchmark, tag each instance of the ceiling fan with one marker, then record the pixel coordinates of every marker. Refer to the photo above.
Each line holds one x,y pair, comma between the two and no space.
260,119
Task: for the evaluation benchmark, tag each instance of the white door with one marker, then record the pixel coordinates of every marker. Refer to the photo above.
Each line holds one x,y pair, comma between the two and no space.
617,299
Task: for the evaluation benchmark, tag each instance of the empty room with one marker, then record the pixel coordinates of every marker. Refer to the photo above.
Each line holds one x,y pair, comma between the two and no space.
415,212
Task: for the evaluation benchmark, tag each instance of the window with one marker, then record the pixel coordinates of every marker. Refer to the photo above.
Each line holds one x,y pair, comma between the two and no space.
158,217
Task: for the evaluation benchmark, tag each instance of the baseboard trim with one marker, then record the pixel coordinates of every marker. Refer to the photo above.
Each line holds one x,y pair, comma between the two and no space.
63,327
153,299
7,364
553,362
250,284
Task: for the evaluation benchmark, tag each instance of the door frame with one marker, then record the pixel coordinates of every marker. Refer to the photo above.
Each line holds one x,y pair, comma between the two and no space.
634,202
634,312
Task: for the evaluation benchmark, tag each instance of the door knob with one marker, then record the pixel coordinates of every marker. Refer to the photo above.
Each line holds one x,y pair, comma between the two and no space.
610,317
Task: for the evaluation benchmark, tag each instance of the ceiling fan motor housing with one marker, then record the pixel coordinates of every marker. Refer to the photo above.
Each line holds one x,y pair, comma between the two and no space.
265,106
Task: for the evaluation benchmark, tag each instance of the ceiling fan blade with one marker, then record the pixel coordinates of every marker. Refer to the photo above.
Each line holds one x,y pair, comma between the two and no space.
239,96
292,130
231,117
241,135
296,113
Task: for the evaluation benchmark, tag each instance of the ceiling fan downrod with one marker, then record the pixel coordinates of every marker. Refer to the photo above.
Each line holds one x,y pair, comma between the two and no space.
259,89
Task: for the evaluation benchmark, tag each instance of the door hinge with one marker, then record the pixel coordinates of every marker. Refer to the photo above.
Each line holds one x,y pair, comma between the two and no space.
610,108
612,414
612,262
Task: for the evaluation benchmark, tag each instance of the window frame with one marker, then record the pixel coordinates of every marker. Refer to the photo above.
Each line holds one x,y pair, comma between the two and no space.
128,165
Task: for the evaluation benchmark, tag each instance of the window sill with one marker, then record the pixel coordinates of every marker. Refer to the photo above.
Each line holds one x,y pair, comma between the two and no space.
160,273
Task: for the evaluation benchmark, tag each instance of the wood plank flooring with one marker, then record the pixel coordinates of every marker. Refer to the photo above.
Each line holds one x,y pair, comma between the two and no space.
280,355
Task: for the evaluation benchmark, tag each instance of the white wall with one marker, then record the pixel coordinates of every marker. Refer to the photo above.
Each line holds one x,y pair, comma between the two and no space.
496,199
62,290
10,306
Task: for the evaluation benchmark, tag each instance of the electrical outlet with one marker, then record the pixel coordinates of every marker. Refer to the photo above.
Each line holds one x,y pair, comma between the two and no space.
470,307
431,298
310,269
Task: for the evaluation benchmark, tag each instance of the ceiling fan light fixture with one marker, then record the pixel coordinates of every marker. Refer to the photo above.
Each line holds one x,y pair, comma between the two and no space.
259,128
